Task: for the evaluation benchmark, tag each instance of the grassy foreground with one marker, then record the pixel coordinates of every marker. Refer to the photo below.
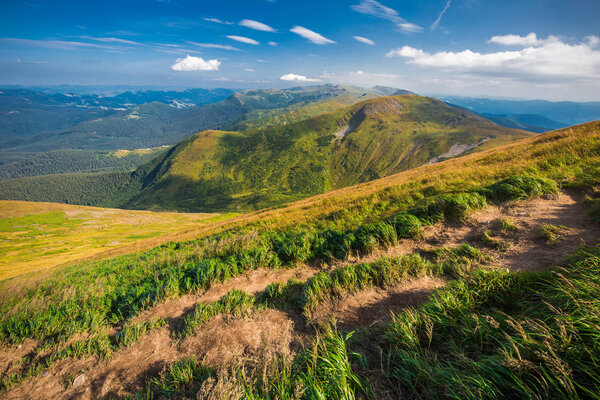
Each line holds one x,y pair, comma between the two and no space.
37,236
98,300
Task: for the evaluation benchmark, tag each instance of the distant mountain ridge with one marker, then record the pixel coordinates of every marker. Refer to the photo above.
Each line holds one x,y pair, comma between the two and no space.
567,112
157,124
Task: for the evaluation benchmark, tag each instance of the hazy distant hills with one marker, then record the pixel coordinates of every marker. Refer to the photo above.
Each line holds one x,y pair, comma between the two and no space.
157,124
566,112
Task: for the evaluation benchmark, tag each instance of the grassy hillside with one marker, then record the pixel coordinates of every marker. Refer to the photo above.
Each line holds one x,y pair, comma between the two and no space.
69,161
277,164
37,236
169,319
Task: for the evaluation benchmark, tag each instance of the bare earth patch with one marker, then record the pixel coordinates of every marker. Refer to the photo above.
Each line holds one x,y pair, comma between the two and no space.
374,306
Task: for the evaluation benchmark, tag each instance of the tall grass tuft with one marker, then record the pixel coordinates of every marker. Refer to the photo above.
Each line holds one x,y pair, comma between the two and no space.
498,335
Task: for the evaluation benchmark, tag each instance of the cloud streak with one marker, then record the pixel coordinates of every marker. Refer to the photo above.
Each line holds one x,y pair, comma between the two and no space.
111,40
58,44
378,10
364,40
191,63
258,26
218,21
439,18
214,46
312,36
243,39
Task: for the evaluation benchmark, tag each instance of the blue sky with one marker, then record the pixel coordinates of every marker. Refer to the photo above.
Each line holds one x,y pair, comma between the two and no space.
520,49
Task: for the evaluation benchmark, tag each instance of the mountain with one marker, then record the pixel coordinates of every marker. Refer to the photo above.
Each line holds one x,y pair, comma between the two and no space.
567,112
157,124
274,165
528,122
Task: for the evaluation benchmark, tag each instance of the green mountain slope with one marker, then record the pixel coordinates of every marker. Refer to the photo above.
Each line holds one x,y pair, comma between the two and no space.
270,166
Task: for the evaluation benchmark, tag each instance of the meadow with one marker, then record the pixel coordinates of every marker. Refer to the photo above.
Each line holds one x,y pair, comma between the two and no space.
39,236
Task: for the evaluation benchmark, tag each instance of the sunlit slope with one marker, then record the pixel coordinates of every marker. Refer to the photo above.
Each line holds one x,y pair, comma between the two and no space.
277,164
37,236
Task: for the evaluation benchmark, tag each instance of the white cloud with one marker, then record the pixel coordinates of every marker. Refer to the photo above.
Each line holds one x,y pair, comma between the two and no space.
218,21
191,63
259,26
58,44
243,39
249,70
298,78
310,35
546,60
261,61
516,40
593,40
364,40
410,27
110,40
214,46
439,18
272,43
378,10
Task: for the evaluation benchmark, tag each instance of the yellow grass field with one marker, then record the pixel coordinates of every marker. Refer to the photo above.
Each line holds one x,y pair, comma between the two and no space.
37,236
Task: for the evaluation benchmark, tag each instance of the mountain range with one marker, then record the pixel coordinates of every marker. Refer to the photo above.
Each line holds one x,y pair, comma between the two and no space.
275,164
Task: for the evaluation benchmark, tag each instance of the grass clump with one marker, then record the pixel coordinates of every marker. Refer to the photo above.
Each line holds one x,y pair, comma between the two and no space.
183,377
500,335
518,187
507,225
487,240
382,273
407,226
551,233
369,237
235,303
448,207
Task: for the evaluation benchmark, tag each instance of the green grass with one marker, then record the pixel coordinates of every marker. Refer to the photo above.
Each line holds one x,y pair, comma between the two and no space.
499,335
235,303
92,298
323,370
551,233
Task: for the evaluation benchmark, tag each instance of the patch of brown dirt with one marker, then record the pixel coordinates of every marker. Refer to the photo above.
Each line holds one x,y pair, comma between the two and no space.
374,306
252,283
10,356
221,342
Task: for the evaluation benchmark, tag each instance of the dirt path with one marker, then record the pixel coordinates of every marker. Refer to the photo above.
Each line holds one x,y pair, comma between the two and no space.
374,306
